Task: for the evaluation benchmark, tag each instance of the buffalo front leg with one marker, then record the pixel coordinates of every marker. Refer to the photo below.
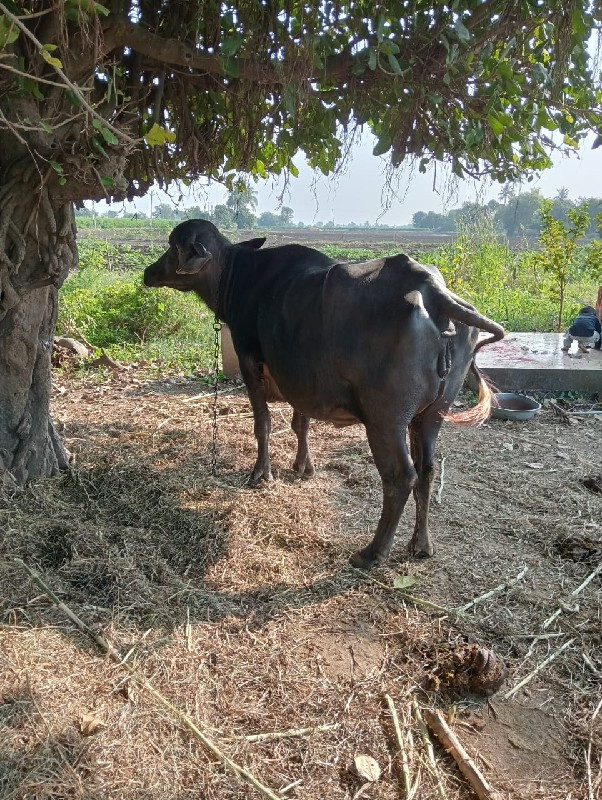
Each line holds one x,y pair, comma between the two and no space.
252,376
303,465
398,476
423,438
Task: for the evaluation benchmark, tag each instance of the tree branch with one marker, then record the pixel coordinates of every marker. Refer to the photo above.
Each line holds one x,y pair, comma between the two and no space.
75,89
173,51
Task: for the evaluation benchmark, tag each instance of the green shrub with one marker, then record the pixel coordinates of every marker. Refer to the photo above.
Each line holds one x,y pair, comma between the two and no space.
114,311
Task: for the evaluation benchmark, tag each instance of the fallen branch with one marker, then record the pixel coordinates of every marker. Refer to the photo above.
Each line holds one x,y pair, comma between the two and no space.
492,592
591,784
591,666
405,764
465,763
241,773
429,750
419,601
210,395
290,734
559,412
537,669
574,593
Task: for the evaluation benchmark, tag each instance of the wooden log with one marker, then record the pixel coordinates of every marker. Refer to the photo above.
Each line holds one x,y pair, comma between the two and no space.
467,767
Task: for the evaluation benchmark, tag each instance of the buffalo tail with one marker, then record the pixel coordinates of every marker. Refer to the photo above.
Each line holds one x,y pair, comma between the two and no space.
480,413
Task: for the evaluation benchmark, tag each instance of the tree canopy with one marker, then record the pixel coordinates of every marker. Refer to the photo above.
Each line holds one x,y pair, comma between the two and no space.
116,95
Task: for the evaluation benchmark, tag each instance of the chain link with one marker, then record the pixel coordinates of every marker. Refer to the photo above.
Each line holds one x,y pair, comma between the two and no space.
217,327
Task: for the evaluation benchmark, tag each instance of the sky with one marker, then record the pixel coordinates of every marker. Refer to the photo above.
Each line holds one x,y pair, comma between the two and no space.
358,193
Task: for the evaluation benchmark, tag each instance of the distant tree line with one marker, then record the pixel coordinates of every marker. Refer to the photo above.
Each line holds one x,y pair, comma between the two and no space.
237,212
515,214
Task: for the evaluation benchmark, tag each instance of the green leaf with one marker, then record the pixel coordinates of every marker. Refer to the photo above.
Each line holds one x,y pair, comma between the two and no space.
380,28
462,31
50,48
13,7
74,99
107,182
383,145
231,45
289,98
474,137
372,58
405,582
9,32
97,123
54,62
98,146
89,6
496,126
231,67
158,136
394,64
110,137
57,167
46,127
62,180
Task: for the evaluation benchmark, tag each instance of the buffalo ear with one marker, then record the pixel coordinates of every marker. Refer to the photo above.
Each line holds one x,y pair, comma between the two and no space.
194,260
255,244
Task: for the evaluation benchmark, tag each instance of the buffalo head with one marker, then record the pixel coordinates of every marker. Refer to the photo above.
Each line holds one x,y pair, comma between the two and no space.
196,256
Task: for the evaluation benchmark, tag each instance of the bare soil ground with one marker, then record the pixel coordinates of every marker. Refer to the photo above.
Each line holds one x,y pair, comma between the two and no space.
412,242
239,607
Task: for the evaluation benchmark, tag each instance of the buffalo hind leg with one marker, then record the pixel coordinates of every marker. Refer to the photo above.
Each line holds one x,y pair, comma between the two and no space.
303,465
398,477
262,422
423,438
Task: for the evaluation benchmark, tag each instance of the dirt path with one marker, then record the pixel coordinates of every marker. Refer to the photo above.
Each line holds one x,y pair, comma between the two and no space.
241,608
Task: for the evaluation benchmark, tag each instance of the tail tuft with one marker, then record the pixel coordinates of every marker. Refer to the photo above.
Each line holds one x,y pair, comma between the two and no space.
479,414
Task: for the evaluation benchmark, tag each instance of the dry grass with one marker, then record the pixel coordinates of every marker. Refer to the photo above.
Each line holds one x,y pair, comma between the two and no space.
239,607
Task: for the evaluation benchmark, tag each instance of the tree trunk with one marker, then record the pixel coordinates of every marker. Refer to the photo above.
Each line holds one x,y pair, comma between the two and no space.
29,445
37,248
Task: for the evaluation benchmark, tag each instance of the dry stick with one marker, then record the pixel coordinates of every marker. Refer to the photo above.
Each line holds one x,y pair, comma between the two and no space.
465,763
107,647
574,593
429,750
292,733
588,755
210,395
493,591
412,598
590,665
537,669
405,767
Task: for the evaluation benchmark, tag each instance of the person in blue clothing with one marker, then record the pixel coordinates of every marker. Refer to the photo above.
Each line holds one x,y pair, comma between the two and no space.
586,330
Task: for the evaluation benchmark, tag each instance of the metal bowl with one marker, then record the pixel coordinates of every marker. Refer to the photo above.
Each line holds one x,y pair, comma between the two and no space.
512,405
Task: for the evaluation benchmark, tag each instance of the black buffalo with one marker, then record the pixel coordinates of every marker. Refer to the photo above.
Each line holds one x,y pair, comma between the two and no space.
383,343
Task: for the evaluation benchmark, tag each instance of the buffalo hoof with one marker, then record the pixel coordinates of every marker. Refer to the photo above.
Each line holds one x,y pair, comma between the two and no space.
257,480
364,559
420,553
304,470
306,473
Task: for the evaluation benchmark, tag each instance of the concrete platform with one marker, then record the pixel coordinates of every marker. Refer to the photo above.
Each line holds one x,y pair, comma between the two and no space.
535,361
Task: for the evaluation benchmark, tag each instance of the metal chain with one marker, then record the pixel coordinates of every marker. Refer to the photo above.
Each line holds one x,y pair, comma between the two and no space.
217,327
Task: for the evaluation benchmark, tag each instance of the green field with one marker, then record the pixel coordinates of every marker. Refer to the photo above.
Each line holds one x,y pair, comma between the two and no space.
104,302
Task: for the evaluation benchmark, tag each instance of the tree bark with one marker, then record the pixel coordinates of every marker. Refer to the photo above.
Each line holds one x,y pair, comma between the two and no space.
37,248
29,444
